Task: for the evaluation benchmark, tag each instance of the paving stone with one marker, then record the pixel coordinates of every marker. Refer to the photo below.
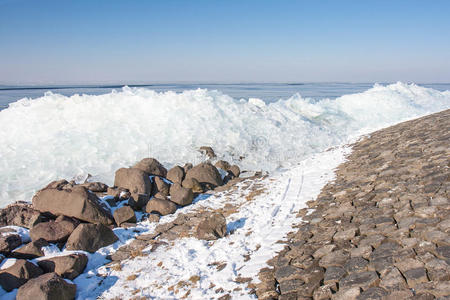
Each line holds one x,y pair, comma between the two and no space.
334,274
373,293
393,280
415,276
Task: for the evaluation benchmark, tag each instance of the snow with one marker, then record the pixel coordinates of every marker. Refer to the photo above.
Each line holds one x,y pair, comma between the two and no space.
254,230
101,133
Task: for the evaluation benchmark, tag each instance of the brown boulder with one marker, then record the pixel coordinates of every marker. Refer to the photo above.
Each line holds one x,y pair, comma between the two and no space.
193,184
54,231
212,227
31,250
20,214
90,237
207,151
135,180
124,214
187,167
151,166
96,187
222,164
206,174
49,286
176,174
17,274
68,266
77,202
235,171
160,187
160,206
138,201
9,242
180,195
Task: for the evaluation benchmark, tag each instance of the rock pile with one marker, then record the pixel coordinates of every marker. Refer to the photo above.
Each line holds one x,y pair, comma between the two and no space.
381,230
82,216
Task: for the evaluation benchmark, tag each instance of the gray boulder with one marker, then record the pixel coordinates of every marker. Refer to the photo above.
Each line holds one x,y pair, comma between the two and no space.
49,286
151,166
90,237
76,202
135,180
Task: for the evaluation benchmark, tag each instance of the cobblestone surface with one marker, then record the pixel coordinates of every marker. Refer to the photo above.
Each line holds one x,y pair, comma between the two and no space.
381,229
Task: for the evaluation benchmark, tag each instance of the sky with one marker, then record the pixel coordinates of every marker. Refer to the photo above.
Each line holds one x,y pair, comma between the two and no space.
89,41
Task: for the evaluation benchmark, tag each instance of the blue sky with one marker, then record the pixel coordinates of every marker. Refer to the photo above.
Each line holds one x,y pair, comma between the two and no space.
224,41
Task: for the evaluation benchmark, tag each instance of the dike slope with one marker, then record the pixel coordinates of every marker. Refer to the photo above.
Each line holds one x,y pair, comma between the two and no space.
381,229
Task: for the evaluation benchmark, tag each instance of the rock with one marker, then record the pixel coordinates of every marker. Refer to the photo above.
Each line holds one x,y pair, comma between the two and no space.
138,201
415,276
134,180
362,280
345,235
17,274
160,187
321,252
48,286
96,187
373,293
31,250
90,237
54,231
58,184
151,166
221,164
77,202
212,227
393,280
206,174
362,251
69,266
160,206
124,214
153,218
181,195
207,151
235,171
334,274
9,242
20,214
176,174
187,167
335,258
356,264
193,184
347,294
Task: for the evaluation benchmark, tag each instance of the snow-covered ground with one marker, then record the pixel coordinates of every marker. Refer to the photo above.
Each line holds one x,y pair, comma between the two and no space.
191,265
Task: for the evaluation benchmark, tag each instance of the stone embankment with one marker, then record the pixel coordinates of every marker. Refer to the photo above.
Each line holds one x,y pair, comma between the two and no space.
381,229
